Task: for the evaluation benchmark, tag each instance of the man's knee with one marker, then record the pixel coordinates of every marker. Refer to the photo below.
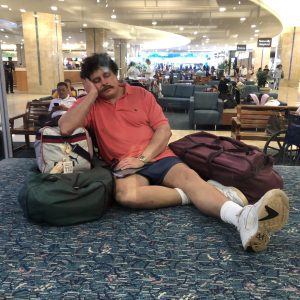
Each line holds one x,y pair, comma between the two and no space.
126,197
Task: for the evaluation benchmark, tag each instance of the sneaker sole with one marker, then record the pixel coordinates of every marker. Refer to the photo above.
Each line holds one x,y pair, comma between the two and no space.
272,215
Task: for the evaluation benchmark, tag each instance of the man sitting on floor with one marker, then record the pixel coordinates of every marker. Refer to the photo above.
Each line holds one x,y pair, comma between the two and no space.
130,128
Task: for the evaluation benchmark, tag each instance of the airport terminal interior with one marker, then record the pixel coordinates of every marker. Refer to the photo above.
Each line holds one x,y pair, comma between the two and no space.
180,51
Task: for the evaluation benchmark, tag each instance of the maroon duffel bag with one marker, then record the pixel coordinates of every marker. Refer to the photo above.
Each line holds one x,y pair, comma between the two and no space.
230,162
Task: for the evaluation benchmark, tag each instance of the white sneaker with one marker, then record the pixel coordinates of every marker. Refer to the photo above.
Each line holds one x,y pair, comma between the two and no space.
230,192
257,222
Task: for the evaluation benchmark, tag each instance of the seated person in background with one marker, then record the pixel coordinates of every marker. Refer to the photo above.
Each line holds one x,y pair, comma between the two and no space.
62,103
72,91
213,89
223,87
225,94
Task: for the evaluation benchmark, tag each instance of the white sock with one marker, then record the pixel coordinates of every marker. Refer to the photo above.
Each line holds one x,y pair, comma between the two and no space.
184,198
230,212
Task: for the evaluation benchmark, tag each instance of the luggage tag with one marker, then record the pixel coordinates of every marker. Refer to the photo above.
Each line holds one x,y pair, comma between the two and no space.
68,167
67,163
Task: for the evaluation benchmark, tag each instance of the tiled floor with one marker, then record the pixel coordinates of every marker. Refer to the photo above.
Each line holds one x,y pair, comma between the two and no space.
17,103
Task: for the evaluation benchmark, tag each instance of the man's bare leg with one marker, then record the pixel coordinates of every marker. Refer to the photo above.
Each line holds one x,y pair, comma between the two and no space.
134,191
254,222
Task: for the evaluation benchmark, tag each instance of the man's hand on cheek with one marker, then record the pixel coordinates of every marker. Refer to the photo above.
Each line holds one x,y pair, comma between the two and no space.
89,86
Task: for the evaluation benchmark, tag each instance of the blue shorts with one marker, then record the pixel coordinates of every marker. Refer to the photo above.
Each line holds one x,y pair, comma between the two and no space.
156,172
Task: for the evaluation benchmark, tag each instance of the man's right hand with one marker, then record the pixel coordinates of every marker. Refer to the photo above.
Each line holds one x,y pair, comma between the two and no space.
89,87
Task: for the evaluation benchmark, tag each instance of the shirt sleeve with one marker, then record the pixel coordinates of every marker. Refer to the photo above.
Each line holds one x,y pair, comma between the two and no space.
154,111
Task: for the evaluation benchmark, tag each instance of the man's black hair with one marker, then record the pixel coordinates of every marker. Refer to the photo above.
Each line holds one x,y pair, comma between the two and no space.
62,83
96,62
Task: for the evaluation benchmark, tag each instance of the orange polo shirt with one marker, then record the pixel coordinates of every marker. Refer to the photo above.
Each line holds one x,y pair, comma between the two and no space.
125,128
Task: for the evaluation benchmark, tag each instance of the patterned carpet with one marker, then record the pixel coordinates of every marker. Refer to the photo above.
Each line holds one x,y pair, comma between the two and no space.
173,253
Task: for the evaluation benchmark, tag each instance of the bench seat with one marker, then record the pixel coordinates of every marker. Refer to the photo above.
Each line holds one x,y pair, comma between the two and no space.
29,120
251,121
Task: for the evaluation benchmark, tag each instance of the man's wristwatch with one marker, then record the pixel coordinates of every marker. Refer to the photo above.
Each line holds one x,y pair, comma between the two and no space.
142,158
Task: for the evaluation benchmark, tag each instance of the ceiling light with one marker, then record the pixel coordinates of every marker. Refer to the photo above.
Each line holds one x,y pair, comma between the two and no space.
113,16
6,36
181,28
4,6
255,34
70,37
242,19
154,23
84,25
235,36
195,32
54,8
61,0
222,9
253,26
204,36
98,1
234,8
1,29
62,24
22,10
256,30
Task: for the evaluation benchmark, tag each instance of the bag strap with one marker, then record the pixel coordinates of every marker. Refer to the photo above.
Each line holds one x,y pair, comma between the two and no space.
81,152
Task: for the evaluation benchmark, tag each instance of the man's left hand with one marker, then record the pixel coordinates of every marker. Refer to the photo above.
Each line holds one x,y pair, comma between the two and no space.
129,162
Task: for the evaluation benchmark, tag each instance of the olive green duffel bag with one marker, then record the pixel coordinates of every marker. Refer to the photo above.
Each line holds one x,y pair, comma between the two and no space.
65,199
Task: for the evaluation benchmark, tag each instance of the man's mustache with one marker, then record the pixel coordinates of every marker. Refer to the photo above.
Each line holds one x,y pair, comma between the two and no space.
106,87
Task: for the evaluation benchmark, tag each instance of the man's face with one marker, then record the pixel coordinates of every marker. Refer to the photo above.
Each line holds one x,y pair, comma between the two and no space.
62,91
106,82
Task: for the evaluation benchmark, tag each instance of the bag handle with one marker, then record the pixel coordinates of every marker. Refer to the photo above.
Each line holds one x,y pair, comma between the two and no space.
231,152
218,139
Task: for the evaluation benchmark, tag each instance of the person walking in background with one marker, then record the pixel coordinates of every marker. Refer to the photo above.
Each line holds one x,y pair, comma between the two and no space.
243,72
9,68
278,74
133,72
149,73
